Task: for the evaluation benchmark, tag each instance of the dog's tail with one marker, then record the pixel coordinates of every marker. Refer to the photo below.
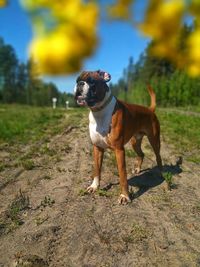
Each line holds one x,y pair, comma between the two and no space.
153,98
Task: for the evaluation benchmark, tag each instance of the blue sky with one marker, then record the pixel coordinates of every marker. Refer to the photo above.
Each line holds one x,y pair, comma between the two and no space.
117,42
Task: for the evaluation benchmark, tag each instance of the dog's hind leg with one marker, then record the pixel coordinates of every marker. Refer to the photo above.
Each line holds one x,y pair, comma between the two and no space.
154,140
136,142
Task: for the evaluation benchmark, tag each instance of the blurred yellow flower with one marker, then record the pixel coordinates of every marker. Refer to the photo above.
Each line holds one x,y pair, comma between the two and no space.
194,7
51,52
193,47
31,4
65,33
163,18
165,48
121,9
193,70
163,22
3,3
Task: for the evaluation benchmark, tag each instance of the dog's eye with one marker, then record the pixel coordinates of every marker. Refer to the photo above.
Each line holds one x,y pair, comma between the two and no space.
81,83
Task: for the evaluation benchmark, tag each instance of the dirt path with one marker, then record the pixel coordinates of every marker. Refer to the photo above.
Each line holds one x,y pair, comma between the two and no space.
55,220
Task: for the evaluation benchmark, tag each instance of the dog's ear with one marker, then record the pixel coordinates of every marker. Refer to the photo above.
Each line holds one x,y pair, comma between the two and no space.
82,76
104,75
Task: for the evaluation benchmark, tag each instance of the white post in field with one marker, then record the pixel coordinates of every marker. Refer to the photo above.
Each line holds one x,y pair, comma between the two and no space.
54,100
67,104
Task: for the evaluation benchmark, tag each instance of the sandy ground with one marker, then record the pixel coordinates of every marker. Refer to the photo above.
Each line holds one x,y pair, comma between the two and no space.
46,219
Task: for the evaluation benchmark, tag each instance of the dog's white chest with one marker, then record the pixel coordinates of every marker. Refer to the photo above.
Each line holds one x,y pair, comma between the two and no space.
98,131
100,123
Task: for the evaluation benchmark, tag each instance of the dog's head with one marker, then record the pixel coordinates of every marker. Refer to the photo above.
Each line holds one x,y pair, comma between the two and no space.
91,87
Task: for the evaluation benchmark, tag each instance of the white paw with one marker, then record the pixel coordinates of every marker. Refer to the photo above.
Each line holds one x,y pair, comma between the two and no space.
136,170
94,186
123,200
91,189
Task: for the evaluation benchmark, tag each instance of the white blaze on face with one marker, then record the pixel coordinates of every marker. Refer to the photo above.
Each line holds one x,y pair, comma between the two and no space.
85,89
83,92
75,88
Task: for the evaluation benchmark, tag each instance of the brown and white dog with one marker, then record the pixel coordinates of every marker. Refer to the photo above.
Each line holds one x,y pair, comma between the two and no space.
112,123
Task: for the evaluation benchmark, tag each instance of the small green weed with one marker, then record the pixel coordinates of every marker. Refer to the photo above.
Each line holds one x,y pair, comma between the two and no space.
47,150
12,218
2,167
138,233
46,177
28,164
104,193
83,192
40,220
168,179
47,202
130,153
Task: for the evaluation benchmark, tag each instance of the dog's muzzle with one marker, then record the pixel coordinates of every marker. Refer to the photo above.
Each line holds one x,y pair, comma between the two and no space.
85,94
80,93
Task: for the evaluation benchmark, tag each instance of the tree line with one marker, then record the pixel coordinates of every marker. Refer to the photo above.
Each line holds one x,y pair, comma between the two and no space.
19,84
172,87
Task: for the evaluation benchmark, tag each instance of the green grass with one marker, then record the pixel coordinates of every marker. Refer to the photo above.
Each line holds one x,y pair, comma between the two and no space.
48,201
20,203
182,130
137,234
27,164
104,193
22,122
130,153
25,123
11,218
168,176
189,108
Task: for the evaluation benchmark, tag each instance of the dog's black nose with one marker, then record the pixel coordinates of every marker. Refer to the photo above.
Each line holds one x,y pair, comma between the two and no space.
81,83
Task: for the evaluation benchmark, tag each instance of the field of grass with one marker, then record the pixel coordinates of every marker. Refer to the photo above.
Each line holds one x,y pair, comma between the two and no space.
25,123
182,130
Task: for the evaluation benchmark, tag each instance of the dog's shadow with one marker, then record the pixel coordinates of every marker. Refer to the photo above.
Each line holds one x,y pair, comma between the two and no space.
150,178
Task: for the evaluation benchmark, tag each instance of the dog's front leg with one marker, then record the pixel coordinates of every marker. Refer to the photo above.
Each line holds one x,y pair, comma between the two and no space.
98,160
121,164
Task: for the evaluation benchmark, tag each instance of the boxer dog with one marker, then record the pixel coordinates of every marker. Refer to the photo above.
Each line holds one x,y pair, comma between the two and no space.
112,123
